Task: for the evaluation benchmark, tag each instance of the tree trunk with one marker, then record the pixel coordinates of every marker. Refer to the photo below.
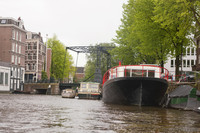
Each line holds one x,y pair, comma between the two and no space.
162,65
177,62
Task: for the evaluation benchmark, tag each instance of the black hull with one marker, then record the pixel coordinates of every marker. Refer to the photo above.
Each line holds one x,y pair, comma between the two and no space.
142,91
89,96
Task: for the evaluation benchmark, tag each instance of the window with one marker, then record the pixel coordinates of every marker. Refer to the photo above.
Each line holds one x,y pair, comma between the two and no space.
184,63
3,21
14,73
128,72
11,73
20,49
6,78
33,67
34,56
188,63
188,51
172,63
192,51
29,56
35,46
151,73
13,34
18,84
192,62
19,60
29,66
1,77
136,73
20,36
18,72
11,84
29,46
13,47
16,48
17,35
13,58
22,72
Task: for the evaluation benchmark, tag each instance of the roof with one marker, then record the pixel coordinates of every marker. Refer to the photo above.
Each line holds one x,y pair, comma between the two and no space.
182,90
80,70
18,23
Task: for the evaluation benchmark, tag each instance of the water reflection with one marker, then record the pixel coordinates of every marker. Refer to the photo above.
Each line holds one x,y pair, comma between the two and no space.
41,113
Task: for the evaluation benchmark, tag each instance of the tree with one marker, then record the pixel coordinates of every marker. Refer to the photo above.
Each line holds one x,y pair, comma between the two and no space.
176,25
92,59
44,75
149,32
153,29
129,49
61,60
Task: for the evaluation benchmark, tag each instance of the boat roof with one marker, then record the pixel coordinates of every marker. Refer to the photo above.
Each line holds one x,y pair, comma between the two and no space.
90,82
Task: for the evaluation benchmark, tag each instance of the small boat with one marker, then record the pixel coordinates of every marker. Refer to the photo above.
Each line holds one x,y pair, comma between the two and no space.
68,93
89,90
142,85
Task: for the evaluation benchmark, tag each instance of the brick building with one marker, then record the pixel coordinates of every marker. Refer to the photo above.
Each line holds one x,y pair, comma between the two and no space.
48,66
80,74
35,57
12,51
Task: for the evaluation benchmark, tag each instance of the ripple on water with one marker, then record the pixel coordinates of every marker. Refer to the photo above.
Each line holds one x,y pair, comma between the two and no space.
45,113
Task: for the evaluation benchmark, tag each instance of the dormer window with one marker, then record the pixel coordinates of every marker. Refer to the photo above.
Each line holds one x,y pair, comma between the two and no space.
3,21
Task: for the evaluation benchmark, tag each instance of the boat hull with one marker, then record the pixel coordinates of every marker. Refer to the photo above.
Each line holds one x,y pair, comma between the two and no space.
68,94
95,96
142,91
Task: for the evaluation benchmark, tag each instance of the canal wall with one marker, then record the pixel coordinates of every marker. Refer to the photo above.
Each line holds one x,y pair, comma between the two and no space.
42,88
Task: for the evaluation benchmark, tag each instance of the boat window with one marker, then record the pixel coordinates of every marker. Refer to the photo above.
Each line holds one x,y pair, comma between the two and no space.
151,73
144,73
93,86
136,73
83,85
128,73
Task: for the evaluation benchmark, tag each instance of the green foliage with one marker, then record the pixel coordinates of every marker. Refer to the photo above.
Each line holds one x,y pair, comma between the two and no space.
131,50
44,75
61,60
91,62
151,30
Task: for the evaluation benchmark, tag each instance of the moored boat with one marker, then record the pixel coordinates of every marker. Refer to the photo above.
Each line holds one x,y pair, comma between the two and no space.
89,90
68,93
135,85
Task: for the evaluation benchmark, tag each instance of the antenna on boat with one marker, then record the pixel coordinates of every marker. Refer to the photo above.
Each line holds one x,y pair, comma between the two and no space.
120,63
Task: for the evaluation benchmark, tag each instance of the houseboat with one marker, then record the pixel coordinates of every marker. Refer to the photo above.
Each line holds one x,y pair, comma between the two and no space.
89,90
142,85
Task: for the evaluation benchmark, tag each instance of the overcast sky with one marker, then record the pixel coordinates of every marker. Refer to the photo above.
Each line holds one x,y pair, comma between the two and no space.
75,22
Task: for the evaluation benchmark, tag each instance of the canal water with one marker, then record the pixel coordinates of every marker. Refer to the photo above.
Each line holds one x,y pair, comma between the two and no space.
53,114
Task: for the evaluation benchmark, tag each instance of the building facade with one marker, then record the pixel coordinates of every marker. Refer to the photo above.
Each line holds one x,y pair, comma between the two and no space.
12,43
188,61
4,77
48,62
35,56
80,74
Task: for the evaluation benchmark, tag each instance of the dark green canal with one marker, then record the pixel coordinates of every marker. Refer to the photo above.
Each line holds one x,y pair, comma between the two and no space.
53,114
